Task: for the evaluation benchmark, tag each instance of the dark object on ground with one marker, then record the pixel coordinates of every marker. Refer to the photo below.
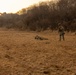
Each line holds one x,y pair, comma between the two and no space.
46,72
40,38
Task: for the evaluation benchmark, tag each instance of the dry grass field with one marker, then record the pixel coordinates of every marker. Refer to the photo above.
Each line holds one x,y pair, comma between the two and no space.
22,54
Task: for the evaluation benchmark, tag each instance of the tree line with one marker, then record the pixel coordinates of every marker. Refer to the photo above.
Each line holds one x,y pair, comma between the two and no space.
42,16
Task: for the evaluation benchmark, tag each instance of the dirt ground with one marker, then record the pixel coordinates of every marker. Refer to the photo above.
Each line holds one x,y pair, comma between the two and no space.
22,54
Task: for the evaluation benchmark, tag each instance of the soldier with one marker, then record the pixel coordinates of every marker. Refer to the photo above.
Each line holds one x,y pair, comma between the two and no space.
61,32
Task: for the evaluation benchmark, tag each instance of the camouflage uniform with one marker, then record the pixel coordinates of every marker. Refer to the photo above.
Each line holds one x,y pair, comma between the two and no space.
61,32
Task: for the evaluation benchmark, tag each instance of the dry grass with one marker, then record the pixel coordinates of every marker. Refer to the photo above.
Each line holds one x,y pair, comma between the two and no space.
21,54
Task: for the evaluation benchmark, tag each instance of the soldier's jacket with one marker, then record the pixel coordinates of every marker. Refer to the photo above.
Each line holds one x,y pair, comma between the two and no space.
61,30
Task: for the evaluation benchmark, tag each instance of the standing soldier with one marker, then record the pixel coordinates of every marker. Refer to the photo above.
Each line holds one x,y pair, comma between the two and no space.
61,32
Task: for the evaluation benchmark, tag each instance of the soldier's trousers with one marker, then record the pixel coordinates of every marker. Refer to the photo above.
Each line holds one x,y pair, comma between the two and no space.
62,37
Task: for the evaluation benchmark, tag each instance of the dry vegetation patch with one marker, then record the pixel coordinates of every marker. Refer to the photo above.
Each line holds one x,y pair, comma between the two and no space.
22,54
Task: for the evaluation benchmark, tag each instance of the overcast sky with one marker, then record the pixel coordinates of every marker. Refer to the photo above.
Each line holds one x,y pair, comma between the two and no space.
11,6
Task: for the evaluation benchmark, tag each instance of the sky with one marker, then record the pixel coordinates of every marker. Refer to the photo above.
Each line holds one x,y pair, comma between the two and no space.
12,6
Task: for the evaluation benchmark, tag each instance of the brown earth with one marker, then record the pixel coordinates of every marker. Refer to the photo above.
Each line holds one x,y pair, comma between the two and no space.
22,54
